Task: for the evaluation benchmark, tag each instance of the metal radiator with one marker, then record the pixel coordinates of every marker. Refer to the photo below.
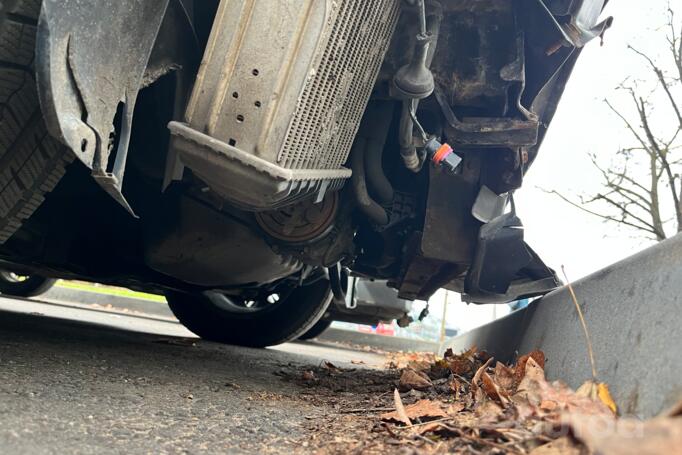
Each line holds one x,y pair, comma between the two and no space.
280,95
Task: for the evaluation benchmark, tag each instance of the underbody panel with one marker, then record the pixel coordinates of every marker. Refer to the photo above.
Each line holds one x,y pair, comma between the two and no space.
268,141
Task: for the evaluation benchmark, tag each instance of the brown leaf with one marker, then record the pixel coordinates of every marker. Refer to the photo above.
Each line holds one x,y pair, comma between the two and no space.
533,376
454,386
520,369
422,410
504,376
488,411
429,428
469,353
477,377
399,415
411,379
493,390
674,411
455,407
609,436
548,405
439,370
562,446
330,366
461,364
308,375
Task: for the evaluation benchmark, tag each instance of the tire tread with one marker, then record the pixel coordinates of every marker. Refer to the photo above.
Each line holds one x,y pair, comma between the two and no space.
31,161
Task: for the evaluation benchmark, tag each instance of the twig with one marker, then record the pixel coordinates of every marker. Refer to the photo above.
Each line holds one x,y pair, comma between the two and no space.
584,325
444,419
359,410
424,438
461,378
503,448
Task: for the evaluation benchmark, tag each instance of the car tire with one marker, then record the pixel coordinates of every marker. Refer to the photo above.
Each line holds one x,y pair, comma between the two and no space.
31,286
31,161
316,330
281,322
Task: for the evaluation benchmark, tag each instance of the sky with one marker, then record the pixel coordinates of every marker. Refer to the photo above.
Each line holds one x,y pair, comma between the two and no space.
583,124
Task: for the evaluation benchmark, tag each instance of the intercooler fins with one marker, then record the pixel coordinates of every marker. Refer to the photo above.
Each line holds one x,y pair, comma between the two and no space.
279,96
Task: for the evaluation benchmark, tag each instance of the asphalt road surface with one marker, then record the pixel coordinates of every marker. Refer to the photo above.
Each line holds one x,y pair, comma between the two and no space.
77,380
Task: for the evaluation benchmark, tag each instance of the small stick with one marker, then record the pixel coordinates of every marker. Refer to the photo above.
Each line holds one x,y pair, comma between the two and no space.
445,419
480,440
584,325
355,411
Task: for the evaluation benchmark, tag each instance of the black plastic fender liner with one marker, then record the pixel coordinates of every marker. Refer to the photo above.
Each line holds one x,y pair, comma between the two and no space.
91,55
504,267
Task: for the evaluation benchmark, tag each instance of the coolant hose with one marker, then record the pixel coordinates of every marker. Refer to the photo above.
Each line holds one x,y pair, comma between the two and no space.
367,205
375,130
376,179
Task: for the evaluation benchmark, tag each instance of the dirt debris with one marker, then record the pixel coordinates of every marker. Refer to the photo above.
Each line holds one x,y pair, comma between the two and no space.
468,403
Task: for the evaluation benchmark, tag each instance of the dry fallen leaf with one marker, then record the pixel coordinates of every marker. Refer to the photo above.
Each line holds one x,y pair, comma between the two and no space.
504,376
597,392
673,411
422,410
411,379
477,377
493,390
430,427
562,446
627,436
520,369
400,414
455,407
529,384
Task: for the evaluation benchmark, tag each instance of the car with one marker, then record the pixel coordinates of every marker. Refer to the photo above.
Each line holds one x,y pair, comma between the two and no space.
245,158
369,302
16,285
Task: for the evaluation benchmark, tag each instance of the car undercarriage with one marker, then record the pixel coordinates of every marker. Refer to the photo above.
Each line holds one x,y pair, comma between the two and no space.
246,150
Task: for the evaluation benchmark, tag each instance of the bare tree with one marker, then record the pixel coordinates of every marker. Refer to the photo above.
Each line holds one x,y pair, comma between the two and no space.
642,185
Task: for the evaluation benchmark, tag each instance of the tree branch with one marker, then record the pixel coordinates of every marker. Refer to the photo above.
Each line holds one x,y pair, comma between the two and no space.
623,221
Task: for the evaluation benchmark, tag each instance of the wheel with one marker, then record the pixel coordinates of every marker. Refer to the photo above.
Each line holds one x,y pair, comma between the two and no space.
24,286
270,319
316,330
31,162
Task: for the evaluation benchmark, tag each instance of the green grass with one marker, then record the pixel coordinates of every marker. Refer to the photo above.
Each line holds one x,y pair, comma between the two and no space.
110,290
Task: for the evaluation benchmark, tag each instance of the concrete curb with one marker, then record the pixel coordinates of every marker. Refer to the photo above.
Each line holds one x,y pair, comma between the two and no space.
633,311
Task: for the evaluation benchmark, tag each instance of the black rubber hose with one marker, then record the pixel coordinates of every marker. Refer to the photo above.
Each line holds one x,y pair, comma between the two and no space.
376,132
335,284
376,179
367,205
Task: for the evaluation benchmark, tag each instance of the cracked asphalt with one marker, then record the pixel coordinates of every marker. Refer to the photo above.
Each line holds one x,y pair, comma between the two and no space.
74,380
